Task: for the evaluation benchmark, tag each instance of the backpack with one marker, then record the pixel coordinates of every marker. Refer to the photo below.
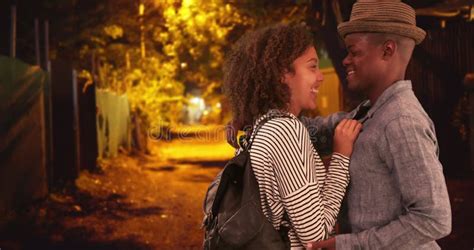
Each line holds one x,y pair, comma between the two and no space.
233,215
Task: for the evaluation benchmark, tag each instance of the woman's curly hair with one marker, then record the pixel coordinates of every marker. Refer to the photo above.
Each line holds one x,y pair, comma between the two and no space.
254,70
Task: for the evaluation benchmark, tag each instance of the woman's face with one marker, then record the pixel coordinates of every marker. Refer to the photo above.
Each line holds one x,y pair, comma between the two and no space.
304,82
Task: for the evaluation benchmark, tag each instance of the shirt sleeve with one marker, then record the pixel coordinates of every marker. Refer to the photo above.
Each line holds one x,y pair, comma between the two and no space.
312,206
412,157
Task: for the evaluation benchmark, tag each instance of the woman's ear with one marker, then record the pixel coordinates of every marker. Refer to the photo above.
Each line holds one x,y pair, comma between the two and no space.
286,76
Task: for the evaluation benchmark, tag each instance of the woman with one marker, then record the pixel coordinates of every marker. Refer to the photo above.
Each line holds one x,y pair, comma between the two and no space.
275,70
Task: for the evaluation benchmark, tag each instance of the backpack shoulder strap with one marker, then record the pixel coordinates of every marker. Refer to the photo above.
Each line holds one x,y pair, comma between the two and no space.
272,114
237,164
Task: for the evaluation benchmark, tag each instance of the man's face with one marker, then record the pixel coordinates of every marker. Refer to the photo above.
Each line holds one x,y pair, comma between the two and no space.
364,64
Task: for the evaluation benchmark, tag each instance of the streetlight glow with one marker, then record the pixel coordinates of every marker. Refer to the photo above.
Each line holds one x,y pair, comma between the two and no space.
141,9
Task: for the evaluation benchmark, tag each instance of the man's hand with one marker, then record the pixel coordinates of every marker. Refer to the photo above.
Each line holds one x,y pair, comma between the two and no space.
328,244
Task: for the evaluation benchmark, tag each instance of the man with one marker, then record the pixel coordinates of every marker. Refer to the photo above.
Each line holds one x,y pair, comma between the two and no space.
397,198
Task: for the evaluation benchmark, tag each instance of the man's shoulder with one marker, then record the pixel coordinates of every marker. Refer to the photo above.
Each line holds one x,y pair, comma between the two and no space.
400,106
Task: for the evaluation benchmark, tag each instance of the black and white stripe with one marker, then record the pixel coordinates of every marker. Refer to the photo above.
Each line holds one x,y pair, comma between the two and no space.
292,178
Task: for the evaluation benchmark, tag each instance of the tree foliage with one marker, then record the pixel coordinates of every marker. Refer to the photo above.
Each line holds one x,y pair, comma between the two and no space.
172,48
155,56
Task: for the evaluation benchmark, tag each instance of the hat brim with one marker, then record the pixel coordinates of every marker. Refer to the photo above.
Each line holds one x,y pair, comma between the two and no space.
401,29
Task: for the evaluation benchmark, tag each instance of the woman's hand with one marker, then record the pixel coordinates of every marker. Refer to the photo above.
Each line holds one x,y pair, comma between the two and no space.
345,135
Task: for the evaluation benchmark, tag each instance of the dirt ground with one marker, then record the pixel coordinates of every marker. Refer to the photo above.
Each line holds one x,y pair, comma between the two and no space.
131,202
155,202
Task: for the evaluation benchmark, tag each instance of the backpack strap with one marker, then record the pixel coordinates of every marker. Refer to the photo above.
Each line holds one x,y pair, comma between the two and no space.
240,160
274,113
271,115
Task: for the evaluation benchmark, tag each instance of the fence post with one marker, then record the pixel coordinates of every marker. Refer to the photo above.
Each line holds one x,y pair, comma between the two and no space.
37,42
13,31
76,123
46,46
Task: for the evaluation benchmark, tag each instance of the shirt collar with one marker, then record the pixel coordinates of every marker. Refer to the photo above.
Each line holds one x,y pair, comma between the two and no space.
392,90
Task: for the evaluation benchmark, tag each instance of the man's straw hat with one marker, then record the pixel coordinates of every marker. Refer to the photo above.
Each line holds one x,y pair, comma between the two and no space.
393,17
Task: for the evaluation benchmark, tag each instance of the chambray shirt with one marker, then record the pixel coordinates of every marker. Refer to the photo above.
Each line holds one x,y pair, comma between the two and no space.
397,197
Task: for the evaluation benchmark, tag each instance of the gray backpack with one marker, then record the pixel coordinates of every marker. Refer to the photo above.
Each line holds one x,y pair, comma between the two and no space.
233,215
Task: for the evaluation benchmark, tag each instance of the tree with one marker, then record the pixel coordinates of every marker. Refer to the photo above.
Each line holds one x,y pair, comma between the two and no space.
184,45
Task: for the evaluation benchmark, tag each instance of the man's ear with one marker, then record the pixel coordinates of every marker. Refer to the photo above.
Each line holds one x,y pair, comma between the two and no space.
389,48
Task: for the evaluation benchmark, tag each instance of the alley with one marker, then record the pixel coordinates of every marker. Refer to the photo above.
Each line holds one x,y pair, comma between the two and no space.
112,115
132,202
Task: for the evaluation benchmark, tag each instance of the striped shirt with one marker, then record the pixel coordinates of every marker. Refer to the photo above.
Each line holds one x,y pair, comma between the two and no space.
293,179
